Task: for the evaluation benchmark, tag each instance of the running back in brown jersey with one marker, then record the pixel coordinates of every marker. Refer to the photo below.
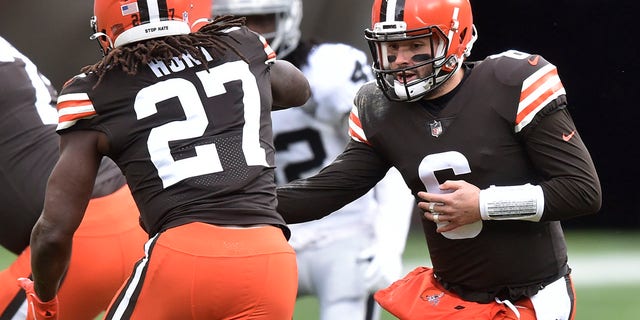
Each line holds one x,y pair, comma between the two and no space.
195,132
186,117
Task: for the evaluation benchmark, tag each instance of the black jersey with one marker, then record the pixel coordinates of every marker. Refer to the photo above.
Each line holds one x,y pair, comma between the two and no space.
193,139
30,147
506,124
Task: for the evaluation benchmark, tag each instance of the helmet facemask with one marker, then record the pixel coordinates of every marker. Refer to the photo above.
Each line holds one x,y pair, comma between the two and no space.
448,26
432,67
104,41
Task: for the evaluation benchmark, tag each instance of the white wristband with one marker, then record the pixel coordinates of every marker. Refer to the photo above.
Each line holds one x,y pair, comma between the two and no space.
524,202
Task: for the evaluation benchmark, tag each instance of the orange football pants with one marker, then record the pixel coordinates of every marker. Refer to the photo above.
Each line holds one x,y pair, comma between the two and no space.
106,245
203,271
419,296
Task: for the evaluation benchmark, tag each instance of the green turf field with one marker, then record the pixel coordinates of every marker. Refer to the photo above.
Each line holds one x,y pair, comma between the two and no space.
606,272
598,299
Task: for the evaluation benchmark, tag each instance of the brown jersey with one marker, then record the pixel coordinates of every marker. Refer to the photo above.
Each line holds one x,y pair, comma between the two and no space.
30,147
193,138
506,124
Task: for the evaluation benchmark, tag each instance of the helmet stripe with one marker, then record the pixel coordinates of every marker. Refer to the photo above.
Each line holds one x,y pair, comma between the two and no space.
383,11
392,10
144,11
163,10
153,10
399,14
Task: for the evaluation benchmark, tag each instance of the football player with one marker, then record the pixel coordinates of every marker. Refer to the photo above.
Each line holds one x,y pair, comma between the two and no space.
489,149
29,152
346,256
186,117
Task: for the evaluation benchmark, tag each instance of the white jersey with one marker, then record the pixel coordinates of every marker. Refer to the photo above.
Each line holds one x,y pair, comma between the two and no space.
310,137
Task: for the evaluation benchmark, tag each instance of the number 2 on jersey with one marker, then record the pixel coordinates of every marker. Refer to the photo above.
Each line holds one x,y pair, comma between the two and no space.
206,160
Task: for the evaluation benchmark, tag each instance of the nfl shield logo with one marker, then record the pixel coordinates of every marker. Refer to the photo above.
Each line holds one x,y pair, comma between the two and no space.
436,128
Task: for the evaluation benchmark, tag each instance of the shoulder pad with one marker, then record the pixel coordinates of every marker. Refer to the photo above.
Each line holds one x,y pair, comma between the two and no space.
75,78
513,67
370,96
536,78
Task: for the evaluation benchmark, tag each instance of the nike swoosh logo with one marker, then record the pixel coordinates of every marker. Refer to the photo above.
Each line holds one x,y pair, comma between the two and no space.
567,137
534,60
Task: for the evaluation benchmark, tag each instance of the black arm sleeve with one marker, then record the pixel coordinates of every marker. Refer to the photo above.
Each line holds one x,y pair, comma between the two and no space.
354,172
571,186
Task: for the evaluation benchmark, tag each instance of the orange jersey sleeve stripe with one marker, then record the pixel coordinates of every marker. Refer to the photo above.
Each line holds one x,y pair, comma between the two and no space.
355,127
529,90
354,118
537,90
73,99
271,55
67,105
356,137
538,101
73,107
75,116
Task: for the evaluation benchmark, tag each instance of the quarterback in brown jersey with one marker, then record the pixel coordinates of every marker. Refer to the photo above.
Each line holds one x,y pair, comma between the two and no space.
491,153
185,114
29,153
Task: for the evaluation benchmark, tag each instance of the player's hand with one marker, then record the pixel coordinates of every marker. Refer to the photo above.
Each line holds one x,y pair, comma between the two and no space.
36,309
456,206
384,267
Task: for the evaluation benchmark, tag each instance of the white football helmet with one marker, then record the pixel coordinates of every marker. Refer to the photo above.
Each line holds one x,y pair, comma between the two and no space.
288,17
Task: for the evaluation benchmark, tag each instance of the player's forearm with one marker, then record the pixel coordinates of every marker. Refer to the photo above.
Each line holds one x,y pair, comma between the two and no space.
570,198
68,192
311,199
352,174
50,254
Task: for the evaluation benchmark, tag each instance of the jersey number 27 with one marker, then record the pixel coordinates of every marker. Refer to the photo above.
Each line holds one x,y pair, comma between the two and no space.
206,160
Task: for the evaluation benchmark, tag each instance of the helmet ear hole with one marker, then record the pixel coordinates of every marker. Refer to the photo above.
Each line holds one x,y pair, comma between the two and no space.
450,64
463,34
104,41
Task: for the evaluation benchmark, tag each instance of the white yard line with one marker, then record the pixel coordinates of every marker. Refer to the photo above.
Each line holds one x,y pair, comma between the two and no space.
614,268
602,269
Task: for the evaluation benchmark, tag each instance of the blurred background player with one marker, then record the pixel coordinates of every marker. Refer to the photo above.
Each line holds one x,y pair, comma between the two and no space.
187,117
29,152
343,257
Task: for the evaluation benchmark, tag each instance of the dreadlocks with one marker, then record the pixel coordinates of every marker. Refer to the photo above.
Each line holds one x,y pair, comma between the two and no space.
130,57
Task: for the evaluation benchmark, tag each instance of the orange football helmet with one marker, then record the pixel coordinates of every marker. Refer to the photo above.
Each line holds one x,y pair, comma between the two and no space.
118,22
447,23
